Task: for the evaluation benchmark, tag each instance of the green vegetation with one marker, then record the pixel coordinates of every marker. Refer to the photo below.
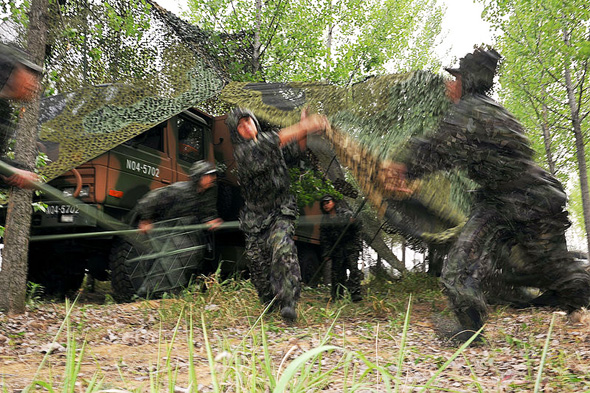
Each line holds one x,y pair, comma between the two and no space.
217,337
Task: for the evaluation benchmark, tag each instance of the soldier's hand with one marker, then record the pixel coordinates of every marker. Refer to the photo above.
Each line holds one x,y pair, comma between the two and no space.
214,224
22,179
145,226
314,123
393,177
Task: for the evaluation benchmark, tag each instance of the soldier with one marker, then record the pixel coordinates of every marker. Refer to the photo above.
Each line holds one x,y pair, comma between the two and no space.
196,198
343,255
514,236
186,203
19,81
270,210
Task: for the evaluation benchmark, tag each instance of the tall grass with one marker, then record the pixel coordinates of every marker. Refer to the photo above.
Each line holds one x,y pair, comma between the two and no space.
251,364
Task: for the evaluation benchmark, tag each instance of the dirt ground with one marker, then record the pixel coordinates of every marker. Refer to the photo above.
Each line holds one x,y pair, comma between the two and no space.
126,343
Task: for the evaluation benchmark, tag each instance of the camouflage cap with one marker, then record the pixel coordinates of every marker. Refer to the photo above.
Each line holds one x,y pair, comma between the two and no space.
201,168
19,56
477,70
233,119
326,198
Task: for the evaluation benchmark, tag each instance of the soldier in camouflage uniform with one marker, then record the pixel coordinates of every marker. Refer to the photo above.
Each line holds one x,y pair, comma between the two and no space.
19,80
182,203
195,199
514,237
343,255
270,210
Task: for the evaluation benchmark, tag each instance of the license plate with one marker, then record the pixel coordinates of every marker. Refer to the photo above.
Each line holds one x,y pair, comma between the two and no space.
61,209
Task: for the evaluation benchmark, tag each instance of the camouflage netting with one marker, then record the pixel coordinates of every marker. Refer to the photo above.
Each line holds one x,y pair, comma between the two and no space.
120,68
372,121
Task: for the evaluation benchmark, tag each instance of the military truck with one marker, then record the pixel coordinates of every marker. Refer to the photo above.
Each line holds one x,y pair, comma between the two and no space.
115,181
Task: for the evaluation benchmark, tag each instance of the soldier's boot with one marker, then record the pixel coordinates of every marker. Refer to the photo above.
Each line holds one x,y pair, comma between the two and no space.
288,311
355,294
470,321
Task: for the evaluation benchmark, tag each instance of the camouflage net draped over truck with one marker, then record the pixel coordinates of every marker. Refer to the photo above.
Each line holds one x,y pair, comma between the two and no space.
372,121
126,66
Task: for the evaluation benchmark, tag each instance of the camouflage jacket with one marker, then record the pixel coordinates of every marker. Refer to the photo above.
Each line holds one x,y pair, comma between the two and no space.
264,181
332,227
7,125
180,199
480,136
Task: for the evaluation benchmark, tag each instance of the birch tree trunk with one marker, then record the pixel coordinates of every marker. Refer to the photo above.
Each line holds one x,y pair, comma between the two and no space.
256,49
13,276
579,137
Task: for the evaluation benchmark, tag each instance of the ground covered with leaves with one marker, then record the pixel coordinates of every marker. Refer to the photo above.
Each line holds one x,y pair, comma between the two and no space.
216,340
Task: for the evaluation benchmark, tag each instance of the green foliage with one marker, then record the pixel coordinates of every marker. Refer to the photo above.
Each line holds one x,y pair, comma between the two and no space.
336,40
34,293
544,75
309,186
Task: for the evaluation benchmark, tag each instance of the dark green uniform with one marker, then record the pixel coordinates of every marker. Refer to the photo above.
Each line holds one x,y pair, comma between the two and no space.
9,59
268,216
179,204
345,254
515,234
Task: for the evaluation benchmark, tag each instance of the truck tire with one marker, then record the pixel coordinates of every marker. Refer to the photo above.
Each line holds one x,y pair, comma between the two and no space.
135,274
125,279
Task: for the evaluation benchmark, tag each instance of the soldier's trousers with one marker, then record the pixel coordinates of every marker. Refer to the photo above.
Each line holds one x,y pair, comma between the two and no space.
494,254
274,267
344,259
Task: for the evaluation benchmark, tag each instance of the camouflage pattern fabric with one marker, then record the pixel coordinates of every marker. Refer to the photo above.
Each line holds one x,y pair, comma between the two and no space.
373,120
268,216
149,71
180,199
346,254
515,233
179,204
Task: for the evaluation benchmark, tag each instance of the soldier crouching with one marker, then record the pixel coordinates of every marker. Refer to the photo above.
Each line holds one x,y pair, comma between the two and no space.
186,203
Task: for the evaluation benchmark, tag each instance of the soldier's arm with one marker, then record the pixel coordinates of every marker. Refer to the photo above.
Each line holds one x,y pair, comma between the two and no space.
152,205
298,132
208,207
451,146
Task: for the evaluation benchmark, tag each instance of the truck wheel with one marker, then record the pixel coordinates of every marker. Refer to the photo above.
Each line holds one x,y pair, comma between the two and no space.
126,277
135,273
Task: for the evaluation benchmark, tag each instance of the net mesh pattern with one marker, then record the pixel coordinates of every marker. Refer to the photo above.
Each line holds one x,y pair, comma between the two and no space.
372,121
156,66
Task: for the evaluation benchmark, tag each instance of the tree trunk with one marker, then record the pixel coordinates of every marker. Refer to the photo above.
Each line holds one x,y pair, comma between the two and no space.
404,253
547,135
256,49
580,153
329,37
13,276
371,234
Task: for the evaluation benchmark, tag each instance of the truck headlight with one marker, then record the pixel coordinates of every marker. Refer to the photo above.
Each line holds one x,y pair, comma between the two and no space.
68,191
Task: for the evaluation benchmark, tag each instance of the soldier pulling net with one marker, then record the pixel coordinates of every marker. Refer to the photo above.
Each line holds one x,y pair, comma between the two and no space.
159,66
371,122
